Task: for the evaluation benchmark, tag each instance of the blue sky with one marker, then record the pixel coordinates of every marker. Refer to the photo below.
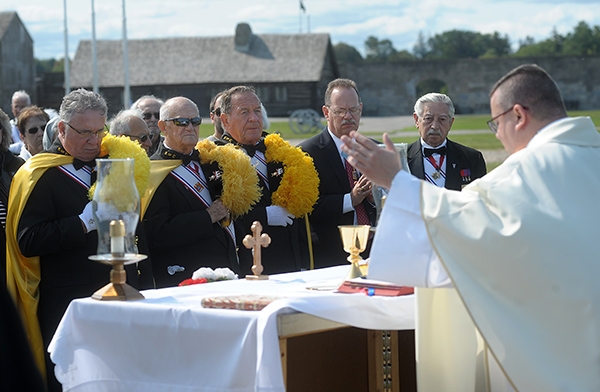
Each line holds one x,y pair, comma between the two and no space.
349,21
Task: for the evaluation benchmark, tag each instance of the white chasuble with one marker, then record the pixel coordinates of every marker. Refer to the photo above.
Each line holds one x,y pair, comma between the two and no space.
519,245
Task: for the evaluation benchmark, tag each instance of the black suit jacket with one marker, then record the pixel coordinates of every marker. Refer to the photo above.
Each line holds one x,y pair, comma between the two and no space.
458,157
50,228
180,232
328,212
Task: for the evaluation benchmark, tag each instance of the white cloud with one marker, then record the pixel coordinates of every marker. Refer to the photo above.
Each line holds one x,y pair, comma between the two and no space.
350,21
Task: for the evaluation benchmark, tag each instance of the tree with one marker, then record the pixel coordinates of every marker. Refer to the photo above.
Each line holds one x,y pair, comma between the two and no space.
421,48
550,47
379,50
345,53
459,44
584,41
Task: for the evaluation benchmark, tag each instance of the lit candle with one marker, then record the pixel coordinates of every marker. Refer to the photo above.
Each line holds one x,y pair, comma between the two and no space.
117,238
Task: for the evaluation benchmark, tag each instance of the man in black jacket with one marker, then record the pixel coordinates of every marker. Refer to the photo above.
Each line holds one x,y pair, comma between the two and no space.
344,195
183,217
50,217
433,157
241,115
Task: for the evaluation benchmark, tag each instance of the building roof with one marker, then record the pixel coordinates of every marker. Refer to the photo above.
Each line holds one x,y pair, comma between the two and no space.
6,19
198,60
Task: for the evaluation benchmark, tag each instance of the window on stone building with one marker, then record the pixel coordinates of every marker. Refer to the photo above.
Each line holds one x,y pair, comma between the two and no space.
263,93
281,94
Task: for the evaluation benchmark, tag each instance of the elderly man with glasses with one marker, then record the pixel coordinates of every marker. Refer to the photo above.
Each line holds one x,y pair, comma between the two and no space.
436,159
150,106
130,123
345,195
182,212
50,226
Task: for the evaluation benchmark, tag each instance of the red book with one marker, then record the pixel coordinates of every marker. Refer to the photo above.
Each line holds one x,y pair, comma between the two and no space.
374,287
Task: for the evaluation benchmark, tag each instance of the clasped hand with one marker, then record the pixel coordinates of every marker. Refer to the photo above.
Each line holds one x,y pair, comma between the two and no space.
361,190
217,211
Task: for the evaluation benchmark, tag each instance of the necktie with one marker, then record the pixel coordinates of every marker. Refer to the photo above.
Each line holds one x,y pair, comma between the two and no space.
429,151
362,218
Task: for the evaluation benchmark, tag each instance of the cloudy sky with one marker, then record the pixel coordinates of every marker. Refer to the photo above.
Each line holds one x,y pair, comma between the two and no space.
348,21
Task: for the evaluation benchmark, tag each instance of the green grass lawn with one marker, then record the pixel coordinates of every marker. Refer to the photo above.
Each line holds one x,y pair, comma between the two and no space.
479,141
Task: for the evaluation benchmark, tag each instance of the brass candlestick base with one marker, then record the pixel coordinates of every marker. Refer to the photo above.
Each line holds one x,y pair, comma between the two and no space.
355,238
117,289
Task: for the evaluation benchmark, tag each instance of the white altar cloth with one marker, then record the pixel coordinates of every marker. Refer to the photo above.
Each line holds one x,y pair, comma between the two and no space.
168,341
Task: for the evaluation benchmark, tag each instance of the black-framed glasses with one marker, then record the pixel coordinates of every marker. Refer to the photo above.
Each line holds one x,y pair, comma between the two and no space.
216,111
87,134
142,138
148,115
184,122
492,123
341,112
35,130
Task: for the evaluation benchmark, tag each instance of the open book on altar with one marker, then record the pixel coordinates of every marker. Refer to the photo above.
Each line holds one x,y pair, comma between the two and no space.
374,287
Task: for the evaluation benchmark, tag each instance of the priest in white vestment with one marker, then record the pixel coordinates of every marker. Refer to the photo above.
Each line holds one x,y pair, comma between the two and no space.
519,244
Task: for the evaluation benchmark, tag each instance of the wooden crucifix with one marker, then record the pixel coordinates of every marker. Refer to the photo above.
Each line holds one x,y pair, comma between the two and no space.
255,242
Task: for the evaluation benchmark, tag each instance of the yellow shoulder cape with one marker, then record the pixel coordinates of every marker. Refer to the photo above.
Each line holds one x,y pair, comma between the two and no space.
23,273
158,171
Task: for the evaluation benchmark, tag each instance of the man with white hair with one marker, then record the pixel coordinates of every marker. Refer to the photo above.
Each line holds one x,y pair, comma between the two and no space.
433,157
20,100
150,106
131,124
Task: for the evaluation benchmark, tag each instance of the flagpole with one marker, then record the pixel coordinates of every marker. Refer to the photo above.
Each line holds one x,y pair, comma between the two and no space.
126,92
94,59
66,60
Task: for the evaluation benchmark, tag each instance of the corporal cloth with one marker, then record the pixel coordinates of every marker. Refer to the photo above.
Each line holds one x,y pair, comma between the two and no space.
519,246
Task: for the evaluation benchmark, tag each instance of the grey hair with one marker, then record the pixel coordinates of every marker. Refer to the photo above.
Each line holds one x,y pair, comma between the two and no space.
434,98
50,133
228,94
22,94
6,131
79,101
136,104
340,83
119,125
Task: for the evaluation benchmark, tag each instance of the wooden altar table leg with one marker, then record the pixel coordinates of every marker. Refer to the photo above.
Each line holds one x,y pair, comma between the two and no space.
283,350
383,363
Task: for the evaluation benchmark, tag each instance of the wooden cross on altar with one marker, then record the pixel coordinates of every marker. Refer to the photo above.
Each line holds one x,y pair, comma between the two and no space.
255,242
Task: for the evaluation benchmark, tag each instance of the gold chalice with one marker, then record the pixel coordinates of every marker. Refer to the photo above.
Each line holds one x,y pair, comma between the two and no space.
355,238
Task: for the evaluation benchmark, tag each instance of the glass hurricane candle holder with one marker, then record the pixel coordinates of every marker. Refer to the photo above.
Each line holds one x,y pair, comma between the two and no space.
116,209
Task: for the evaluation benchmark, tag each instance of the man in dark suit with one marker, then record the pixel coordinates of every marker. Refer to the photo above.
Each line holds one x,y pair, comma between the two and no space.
345,196
434,157
182,220
241,116
51,229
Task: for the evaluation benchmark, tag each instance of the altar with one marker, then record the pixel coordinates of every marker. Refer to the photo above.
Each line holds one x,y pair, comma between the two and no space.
168,341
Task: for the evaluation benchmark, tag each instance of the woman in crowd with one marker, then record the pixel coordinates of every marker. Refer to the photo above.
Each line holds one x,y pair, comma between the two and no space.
31,123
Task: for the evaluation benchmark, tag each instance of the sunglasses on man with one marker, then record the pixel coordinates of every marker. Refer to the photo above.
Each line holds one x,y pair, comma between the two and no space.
148,115
184,122
142,138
